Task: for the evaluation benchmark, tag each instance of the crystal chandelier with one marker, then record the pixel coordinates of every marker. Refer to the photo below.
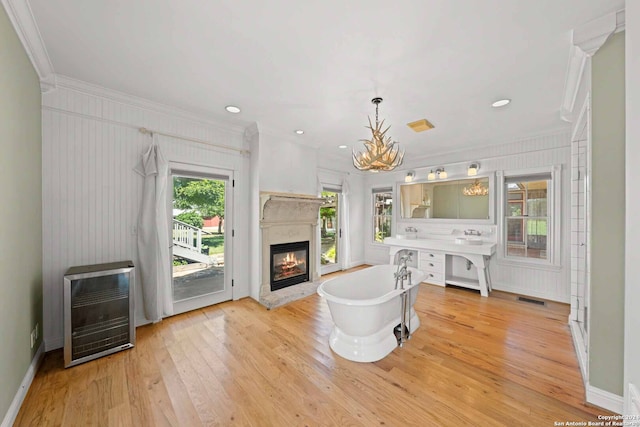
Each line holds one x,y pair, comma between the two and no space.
475,189
381,154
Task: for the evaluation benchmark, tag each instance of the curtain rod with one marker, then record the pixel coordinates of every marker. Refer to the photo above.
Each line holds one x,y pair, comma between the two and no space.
199,141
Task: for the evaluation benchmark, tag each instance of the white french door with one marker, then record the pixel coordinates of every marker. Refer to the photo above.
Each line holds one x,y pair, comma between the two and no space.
330,232
201,229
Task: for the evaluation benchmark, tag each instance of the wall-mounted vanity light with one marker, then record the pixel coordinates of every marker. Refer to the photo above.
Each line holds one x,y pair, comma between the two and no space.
472,170
431,175
409,176
442,174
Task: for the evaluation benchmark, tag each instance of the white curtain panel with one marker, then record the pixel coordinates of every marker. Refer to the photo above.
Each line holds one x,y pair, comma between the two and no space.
153,239
344,221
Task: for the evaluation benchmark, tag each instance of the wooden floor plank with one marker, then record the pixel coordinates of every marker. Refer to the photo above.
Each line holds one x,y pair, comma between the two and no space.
473,361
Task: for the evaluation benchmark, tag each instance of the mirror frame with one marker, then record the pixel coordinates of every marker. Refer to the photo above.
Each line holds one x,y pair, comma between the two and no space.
492,201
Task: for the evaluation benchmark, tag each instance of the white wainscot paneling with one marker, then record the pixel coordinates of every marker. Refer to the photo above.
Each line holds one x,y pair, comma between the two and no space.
91,195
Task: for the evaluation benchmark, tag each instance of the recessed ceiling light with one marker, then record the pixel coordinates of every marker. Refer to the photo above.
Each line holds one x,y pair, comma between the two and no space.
232,109
500,103
299,131
342,146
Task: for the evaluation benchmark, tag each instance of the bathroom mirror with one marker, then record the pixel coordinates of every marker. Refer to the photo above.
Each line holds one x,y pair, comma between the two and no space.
459,199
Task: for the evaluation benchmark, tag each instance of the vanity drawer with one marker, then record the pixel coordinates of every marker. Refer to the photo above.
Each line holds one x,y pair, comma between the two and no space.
435,278
426,256
431,265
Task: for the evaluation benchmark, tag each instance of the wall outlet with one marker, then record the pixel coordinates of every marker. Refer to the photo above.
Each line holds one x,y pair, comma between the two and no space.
34,335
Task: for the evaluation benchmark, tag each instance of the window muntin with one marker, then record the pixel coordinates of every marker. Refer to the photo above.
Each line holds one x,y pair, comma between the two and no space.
527,231
382,213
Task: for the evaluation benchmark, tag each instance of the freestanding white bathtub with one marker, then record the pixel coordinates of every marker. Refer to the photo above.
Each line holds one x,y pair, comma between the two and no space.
365,308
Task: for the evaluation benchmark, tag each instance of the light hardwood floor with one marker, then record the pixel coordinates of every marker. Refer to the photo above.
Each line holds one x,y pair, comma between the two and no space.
474,361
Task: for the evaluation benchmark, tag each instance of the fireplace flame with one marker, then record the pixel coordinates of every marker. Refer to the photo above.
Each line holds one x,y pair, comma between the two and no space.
290,261
289,265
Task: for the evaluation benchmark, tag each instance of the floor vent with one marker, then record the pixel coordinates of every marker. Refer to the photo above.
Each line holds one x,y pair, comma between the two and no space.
531,300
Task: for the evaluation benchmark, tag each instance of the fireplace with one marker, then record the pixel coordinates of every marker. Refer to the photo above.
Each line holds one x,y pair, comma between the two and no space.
288,247
289,264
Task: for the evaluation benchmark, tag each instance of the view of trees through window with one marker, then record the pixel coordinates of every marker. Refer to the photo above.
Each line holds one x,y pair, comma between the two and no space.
198,237
329,228
382,214
200,203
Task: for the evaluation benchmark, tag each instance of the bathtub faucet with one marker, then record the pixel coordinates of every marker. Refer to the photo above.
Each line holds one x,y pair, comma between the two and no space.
403,273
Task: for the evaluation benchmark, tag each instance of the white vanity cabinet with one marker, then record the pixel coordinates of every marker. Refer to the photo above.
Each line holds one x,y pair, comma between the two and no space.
434,253
433,264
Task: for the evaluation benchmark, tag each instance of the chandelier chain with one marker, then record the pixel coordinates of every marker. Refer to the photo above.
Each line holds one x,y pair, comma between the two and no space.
377,104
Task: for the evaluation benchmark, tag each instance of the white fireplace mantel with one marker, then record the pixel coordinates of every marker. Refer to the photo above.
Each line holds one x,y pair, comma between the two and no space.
287,218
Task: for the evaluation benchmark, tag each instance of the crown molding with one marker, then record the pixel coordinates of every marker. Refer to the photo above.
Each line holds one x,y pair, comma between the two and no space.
591,36
65,82
585,41
24,23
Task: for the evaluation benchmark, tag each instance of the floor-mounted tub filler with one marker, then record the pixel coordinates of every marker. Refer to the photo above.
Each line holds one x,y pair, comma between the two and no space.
367,306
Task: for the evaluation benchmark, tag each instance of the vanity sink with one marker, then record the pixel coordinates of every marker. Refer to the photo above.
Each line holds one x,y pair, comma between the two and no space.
411,236
467,240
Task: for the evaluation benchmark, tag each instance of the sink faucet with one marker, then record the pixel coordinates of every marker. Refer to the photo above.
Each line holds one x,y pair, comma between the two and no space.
471,232
411,229
402,273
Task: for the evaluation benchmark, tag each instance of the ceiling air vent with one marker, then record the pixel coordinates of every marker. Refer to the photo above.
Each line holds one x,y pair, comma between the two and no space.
420,125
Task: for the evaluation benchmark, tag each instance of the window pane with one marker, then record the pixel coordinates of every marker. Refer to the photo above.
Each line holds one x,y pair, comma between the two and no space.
537,238
514,209
537,198
382,228
382,212
526,216
383,203
515,230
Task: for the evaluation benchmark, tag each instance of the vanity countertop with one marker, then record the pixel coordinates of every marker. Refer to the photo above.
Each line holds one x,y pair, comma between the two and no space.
445,245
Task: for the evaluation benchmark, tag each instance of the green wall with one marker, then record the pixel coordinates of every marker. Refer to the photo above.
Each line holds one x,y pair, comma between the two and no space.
606,346
20,212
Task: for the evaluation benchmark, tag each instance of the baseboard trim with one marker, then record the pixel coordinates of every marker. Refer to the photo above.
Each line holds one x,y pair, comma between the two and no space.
633,402
12,413
355,264
605,399
593,395
578,344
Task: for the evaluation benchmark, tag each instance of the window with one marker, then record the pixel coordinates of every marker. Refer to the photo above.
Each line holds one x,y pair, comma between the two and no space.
382,213
528,227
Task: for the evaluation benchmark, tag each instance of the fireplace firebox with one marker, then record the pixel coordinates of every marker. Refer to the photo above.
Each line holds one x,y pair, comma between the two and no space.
289,264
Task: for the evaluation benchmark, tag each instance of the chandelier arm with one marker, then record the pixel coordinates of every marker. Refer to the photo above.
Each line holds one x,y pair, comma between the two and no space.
378,156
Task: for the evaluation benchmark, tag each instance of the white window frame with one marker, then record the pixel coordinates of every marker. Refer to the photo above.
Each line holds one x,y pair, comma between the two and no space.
554,212
374,191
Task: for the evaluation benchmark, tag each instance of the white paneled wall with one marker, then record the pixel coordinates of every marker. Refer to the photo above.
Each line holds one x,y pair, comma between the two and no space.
91,195
547,150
